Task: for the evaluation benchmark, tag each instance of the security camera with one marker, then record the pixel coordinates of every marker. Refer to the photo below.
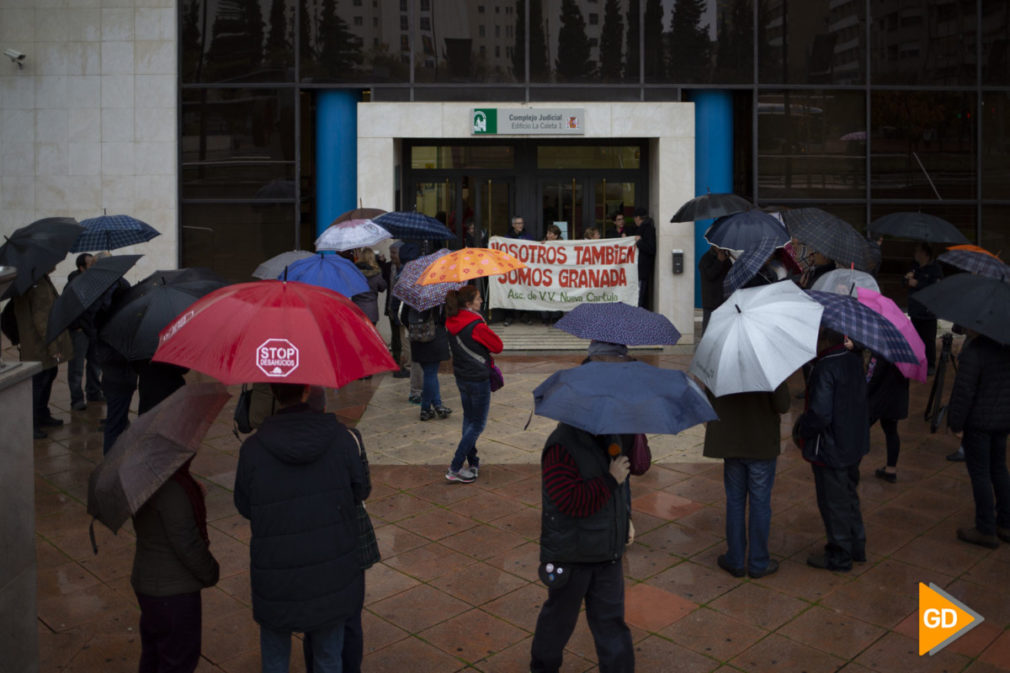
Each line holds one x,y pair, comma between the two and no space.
15,56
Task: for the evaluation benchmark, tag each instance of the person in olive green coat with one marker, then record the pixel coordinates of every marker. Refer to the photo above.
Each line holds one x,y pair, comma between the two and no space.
32,312
747,438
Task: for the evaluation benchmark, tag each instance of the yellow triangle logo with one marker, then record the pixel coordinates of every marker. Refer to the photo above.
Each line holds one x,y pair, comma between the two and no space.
942,619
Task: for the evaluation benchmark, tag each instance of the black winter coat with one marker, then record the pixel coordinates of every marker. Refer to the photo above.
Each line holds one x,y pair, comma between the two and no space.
298,480
887,391
980,399
712,272
431,351
834,427
925,276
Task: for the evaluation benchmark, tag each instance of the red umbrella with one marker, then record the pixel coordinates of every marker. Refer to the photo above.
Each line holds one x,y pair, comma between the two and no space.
274,331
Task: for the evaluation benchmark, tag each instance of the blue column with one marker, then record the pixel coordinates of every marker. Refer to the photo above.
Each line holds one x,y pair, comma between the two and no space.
713,158
336,155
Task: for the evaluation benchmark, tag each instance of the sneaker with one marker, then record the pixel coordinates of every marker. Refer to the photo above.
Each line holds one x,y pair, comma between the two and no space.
414,399
723,562
476,473
464,476
821,562
443,412
80,405
401,374
770,569
427,414
890,477
974,536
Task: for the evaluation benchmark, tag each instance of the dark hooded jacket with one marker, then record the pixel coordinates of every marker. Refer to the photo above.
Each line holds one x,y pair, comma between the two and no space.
834,427
980,399
298,480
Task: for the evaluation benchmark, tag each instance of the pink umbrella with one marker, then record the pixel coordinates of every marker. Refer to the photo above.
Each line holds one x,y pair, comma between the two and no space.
894,315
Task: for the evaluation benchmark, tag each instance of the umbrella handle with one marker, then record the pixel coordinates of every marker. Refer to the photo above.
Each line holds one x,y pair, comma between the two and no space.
91,534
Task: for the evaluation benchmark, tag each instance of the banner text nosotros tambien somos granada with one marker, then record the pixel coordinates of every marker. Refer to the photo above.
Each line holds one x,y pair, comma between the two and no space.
560,275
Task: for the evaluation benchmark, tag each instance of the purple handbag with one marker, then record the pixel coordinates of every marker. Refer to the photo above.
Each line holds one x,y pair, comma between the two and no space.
497,380
640,455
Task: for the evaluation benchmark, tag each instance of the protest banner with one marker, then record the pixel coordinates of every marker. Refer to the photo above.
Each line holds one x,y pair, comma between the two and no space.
560,275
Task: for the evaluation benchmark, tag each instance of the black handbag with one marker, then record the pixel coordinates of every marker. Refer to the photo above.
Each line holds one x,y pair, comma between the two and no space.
368,546
241,417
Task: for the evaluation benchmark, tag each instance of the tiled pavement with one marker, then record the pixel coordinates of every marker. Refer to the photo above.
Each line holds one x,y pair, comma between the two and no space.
457,588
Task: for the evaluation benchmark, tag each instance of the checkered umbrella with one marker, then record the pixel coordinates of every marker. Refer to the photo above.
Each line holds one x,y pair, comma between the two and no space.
831,236
979,262
845,315
408,225
710,206
109,232
747,265
918,227
744,231
422,297
619,323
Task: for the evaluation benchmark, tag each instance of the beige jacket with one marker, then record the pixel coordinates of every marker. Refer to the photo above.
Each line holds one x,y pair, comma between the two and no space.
32,313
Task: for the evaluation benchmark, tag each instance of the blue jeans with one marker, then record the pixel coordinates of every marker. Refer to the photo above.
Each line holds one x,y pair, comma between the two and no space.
476,399
430,394
327,645
750,481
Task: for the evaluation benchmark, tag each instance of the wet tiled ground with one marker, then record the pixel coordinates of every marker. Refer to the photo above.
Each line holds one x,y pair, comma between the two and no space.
457,588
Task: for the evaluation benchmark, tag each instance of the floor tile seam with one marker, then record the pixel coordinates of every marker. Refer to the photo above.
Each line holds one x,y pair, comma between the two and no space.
842,662
657,634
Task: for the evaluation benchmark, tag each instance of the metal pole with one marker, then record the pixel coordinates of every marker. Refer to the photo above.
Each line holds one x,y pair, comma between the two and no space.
603,227
939,198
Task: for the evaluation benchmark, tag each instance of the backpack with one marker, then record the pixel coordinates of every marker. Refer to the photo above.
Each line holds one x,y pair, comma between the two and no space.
9,323
421,326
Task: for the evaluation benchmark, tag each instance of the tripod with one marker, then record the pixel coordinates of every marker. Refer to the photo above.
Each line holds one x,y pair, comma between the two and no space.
935,410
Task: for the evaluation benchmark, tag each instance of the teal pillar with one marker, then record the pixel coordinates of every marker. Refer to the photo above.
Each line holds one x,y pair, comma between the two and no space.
336,155
713,158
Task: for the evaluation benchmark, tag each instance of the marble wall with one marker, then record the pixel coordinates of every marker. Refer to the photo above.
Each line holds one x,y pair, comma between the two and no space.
669,127
89,124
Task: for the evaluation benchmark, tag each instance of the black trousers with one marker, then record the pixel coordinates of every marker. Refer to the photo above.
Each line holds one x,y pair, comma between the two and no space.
891,438
838,502
170,632
926,329
42,388
118,384
602,587
985,458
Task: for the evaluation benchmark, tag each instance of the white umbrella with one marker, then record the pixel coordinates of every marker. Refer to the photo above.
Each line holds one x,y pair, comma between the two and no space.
757,339
350,235
845,281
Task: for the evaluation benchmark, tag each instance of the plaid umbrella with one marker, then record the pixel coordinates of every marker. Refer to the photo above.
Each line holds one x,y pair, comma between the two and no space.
747,265
108,232
976,302
979,262
711,206
351,234
619,323
744,231
422,297
845,281
831,236
918,227
413,226
274,266
845,315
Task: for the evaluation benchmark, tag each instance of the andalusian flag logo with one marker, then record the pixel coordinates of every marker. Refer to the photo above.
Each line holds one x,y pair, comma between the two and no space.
485,121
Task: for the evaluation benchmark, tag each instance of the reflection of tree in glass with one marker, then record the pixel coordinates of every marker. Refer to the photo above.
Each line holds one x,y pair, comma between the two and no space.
689,43
573,62
305,49
339,50
632,53
236,46
735,46
278,49
539,66
192,48
652,25
611,40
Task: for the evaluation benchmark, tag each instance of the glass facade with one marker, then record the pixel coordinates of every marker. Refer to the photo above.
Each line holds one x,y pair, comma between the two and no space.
861,107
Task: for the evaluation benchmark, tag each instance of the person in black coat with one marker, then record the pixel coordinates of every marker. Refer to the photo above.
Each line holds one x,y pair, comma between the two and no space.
834,437
298,481
925,271
428,355
646,243
712,268
887,389
980,409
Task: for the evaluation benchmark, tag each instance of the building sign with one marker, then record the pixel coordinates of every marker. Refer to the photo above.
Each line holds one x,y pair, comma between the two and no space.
490,121
560,275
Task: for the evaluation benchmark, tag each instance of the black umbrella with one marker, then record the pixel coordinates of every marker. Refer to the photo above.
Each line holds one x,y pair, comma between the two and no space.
34,250
711,206
149,306
85,290
976,302
918,227
831,236
746,230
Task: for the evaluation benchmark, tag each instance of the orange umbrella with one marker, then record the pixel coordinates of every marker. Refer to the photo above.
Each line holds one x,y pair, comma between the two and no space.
467,263
972,248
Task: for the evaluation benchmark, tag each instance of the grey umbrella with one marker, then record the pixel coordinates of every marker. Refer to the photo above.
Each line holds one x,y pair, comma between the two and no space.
918,227
711,206
275,266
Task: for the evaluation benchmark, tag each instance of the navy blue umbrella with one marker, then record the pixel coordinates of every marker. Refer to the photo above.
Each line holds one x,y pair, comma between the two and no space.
619,323
409,225
846,315
330,271
108,232
748,264
745,230
606,398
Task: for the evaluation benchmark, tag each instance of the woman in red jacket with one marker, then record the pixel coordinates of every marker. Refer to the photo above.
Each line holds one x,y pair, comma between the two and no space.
472,343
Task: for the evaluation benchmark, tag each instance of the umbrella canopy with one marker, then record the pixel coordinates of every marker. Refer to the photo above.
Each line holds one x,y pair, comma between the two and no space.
85,290
351,234
276,332
711,206
468,263
845,281
862,324
148,307
606,398
748,263
150,451
831,236
976,302
745,230
977,260
109,232
918,227
854,135
274,267
359,214
409,225
757,339
330,271
619,323
34,250
894,315
422,297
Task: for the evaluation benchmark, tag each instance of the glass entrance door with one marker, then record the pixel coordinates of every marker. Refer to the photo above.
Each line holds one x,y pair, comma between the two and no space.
495,206
611,197
562,203
458,200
